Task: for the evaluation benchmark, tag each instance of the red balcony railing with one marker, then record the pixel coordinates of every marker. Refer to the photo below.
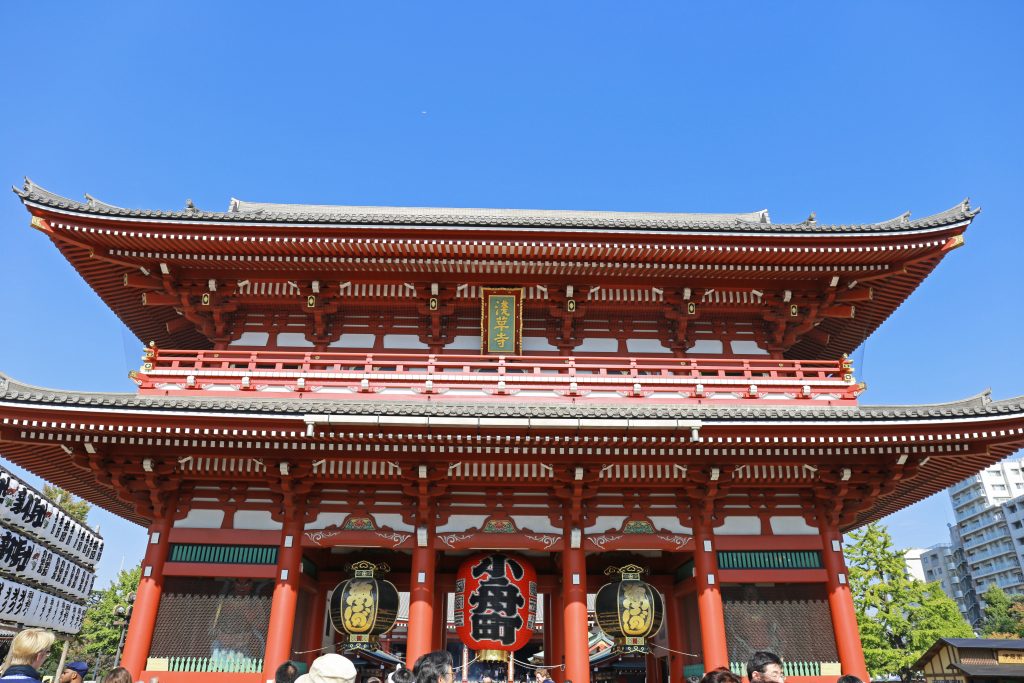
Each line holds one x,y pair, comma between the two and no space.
347,375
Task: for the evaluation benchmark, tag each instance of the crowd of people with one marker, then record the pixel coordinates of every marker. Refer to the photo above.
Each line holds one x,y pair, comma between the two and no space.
31,647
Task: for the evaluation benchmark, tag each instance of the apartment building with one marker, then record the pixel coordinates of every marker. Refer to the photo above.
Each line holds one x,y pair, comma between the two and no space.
987,542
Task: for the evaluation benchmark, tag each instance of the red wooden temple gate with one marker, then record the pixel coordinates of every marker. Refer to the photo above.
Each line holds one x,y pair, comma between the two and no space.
586,389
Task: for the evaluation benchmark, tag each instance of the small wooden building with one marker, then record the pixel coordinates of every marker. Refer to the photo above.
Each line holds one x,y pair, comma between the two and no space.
973,660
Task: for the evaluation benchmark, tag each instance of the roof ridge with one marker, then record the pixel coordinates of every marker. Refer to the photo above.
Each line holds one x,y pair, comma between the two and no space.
264,212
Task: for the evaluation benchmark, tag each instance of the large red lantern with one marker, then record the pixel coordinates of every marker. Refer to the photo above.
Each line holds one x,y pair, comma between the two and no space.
495,602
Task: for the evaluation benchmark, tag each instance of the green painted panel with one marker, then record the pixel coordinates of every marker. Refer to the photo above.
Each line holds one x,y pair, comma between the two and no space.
223,554
769,559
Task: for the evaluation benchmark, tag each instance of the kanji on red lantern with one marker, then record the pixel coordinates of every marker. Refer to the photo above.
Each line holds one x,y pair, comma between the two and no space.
495,602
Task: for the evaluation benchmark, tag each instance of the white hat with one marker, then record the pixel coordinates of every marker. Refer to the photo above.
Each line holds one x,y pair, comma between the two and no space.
329,668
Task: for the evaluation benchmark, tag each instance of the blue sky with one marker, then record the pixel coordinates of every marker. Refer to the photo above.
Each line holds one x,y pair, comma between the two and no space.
858,111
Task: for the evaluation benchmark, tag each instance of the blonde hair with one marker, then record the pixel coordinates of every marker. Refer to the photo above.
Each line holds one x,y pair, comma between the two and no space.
26,645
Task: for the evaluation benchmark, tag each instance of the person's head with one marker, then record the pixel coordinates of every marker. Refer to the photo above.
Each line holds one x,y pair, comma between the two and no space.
434,667
721,675
541,674
74,672
486,679
849,678
401,675
372,679
286,673
29,648
765,667
329,668
118,675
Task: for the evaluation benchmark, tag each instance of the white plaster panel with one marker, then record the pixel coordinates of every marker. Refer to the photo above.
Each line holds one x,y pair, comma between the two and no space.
671,524
792,526
293,340
403,341
597,345
604,523
251,339
747,347
538,344
326,519
739,525
645,346
536,523
354,341
706,346
255,519
392,520
465,343
462,522
201,519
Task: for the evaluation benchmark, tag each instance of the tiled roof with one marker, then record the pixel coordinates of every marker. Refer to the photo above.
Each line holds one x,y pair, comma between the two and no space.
262,212
980,405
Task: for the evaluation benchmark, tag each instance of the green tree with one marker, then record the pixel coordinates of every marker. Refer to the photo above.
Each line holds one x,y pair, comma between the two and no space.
76,507
899,617
1003,613
101,627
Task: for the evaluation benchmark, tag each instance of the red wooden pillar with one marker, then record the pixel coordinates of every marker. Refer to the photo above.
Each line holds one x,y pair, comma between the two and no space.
653,674
840,601
285,599
316,624
147,597
676,625
556,655
440,618
709,598
577,635
546,600
421,603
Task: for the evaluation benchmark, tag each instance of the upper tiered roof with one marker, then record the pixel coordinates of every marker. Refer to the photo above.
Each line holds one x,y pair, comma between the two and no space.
241,211
845,279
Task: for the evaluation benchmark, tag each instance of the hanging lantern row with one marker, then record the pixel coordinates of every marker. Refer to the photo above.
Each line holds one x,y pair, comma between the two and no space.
364,607
495,604
630,610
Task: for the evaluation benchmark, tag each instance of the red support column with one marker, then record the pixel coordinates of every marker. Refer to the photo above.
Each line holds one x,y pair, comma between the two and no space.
316,624
556,655
676,625
652,673
285,599
709,598
421,603
574,593
147,597
546,642
440,619
840,602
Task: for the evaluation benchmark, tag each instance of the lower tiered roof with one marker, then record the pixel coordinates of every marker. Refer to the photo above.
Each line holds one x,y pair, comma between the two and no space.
55,433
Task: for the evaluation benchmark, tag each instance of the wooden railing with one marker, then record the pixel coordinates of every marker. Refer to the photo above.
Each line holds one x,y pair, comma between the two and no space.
225,664
336,374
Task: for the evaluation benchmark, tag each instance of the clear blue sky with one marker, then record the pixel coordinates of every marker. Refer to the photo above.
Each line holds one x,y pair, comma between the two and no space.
856,110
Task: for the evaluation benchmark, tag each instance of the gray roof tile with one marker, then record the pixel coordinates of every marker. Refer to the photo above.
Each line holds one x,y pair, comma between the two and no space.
975,406
306,214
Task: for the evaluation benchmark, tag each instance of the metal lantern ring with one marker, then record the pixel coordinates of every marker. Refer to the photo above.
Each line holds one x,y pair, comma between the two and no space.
630,610
364,607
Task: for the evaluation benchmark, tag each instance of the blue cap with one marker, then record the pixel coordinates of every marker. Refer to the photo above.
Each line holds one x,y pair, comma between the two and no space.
79,668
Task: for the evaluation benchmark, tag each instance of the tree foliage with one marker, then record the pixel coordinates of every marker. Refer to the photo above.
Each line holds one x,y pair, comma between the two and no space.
76,507
1004,614
899,617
